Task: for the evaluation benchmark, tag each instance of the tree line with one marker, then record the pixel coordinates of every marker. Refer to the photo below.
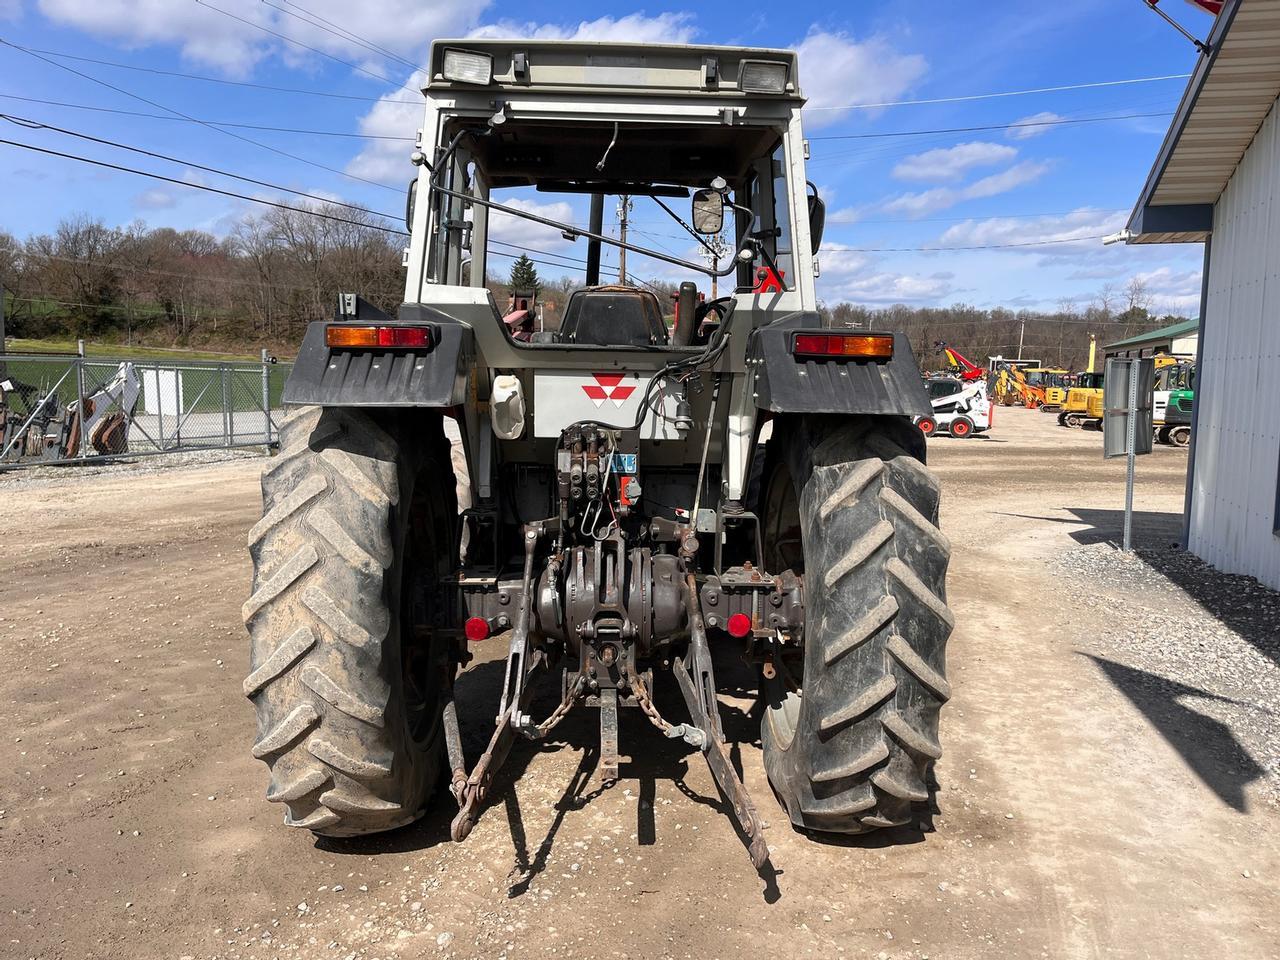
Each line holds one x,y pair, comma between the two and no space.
274,272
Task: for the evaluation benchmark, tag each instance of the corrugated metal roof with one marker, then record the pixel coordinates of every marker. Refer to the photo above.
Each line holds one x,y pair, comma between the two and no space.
1230,94
1171,332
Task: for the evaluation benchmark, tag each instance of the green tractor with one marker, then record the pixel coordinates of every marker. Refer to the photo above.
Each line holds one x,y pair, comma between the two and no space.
1176,430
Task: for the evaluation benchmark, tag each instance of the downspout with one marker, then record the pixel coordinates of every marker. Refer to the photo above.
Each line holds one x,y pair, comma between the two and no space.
1197,397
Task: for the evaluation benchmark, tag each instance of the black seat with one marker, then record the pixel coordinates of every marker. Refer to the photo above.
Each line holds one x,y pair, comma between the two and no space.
613,316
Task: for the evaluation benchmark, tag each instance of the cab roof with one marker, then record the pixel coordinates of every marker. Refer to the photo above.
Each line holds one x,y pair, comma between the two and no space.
569,65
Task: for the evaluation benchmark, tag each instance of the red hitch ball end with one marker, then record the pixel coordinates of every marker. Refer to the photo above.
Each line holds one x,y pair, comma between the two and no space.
476,629
739,625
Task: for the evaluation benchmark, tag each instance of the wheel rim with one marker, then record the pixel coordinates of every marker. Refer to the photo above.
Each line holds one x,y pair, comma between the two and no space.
960,428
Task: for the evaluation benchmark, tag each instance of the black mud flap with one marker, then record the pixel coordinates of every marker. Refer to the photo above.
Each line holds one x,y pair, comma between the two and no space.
785,384
384,378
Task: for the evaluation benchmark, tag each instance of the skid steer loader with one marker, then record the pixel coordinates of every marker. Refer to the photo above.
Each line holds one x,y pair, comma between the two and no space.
625,513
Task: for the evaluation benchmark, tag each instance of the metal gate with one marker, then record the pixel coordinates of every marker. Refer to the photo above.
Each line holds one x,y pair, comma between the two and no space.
72,408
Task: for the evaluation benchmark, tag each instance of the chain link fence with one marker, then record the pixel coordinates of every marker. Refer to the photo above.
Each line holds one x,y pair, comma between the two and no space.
71,408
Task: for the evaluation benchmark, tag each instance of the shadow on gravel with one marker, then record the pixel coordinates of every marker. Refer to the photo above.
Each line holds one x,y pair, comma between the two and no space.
648,757
1236,601
1207,745
1107,526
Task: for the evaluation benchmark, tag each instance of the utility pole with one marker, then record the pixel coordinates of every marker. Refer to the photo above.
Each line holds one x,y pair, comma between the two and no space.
624,211
714,248
1022,328
4,366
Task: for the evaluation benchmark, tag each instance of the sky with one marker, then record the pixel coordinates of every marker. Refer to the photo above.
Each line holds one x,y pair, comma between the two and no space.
902,209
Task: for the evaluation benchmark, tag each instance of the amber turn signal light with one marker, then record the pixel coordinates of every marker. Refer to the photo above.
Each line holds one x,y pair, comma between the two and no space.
837,346
345,335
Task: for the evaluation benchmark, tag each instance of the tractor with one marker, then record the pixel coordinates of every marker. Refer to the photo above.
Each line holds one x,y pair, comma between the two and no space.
633,495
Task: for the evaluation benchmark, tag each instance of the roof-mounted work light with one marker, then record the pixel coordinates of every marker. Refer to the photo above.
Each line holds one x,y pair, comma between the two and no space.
762,76
467,66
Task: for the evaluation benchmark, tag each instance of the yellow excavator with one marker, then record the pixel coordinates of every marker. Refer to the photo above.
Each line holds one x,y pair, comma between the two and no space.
1082,405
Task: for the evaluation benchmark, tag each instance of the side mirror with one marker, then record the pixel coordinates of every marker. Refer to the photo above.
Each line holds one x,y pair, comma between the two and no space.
817,219
410,201
708,212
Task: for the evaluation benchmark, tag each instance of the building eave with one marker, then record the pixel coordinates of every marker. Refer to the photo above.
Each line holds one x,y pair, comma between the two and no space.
1229,95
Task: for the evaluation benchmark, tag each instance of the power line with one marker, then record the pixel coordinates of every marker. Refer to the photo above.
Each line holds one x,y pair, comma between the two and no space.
223,80
995,126
35,125
345,34
161,106
304,46
201,186
215,123
994,216
988,246
994,96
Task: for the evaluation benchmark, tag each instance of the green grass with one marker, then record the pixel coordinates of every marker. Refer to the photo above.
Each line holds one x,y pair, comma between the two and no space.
122,351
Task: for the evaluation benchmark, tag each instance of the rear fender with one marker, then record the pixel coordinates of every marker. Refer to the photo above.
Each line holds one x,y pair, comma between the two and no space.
783,384
385,378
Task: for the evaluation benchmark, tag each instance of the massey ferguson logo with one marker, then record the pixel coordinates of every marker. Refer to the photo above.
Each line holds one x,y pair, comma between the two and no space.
608,386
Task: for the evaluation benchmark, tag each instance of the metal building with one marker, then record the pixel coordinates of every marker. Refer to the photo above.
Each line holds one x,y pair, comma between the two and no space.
1216,180
1175,340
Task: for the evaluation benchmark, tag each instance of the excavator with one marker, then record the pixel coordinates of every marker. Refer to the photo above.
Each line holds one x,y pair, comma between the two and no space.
1076,405
1026,386
962,368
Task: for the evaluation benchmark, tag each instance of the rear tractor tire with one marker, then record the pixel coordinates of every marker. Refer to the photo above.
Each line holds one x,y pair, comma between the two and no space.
961,428
349,695
850,738
1180,436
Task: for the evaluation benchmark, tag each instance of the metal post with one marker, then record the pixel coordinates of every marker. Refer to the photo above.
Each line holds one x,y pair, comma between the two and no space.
1131,443
596,226
4,365
1022,329
84,433
266,399
226,406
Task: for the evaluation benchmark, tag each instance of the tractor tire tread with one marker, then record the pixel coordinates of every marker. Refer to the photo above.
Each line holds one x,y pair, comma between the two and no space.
323,661
852,751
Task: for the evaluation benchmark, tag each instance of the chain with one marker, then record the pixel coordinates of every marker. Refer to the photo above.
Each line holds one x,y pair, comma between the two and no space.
558,714
644,700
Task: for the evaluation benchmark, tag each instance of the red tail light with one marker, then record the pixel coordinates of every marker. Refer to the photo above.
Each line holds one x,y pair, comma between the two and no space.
853,346
345,335
476,629
739,625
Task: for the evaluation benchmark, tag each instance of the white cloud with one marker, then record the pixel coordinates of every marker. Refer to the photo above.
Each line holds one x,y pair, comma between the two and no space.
952,163
849,275
156,198
10,9
1083,222
633,28
1172,290
235,46
836,71
395,115
1016,176
525,233
1016,132
940,198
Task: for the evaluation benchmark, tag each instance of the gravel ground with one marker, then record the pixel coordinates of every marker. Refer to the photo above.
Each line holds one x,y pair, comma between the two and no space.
1174,629
1093,800
73,473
